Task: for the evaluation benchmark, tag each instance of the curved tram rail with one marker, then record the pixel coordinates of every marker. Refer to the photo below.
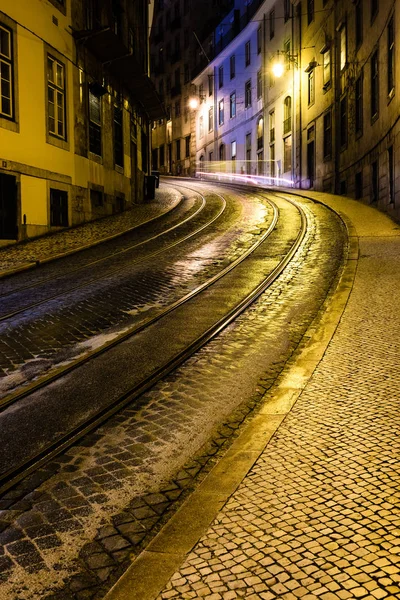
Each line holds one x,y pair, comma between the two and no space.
11,477
114,271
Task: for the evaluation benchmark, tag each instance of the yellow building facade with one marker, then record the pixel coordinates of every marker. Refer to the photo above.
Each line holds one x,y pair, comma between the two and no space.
73,128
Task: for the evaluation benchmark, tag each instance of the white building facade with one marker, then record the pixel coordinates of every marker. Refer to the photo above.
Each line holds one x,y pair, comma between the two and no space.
244,114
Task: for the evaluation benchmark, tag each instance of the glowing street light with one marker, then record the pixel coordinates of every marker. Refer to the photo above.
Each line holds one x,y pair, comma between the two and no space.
193,103
278,69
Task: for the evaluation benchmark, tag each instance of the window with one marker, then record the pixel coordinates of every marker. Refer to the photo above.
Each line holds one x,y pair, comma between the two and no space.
311,87
374,9
272,160
232,105
374,181
222,152
201,127
343,122
178,149
391,174
96,198
358,185
259,40
248,153
287,154
58,208
359,24
343,47
232,65
221,112
187,146
247,94
328,135
6,73
272,127
210,119
271,24
247,54
221,77
326,65
118,137
233,150
359,105
94,123
310,11
260,133
259,84
286,9
210,85
390,65
287,115
374,85
56,97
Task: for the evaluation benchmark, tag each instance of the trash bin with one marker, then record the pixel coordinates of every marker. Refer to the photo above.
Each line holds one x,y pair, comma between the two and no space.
150,187
157,176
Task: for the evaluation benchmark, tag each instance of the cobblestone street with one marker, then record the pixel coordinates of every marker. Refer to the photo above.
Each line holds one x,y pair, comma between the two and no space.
318,514
103,500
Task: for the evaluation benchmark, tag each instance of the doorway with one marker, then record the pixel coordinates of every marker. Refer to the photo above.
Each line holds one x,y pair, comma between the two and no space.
8,207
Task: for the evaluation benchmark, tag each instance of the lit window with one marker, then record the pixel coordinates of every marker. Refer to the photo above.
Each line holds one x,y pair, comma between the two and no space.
311,87
210,119
287,115
343,47
221,112
56,97
326,62
233,150
232,105
259,84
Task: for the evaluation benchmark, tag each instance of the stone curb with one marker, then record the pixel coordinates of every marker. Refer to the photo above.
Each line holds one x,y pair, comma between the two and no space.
152,569
33,264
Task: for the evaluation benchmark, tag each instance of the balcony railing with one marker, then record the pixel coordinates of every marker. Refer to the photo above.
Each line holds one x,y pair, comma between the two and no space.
287,125
272,135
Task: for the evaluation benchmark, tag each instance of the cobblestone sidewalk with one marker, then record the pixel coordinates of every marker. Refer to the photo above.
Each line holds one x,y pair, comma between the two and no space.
23,254
318,515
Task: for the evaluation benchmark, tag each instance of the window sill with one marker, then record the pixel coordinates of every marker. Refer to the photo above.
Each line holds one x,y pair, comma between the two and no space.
95,158
9,124
58,142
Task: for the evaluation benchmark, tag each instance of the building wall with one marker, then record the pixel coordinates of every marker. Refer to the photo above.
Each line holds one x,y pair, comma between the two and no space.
358,164
259,142
41,160
178,32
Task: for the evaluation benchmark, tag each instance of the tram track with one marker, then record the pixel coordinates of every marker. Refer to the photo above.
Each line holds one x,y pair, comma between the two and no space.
11,476
113,271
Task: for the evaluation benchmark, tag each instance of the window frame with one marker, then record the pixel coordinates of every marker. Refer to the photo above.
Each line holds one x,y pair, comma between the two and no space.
221,110
9,61
247,94
59,92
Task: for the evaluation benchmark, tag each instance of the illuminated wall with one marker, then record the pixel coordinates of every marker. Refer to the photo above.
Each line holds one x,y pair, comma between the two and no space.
58,94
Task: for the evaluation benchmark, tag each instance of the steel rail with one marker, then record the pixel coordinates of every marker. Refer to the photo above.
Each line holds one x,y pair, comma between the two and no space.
13,476
88,282
64,370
